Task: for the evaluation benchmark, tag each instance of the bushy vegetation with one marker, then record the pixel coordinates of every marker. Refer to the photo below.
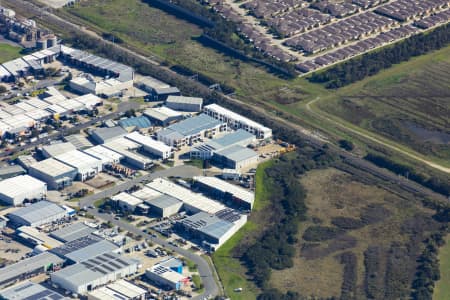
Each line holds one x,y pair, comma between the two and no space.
434,183
428,270
321,233
275,248
371,63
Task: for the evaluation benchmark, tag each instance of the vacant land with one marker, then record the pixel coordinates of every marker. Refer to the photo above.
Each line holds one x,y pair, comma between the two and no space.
442,289
409,103
360,240
229,267
154,32
8,52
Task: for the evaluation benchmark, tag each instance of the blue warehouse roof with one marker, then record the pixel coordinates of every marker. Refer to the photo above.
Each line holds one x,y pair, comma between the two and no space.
194,125
140,122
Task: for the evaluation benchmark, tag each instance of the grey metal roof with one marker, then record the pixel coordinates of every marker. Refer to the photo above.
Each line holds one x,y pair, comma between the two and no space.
218,229
237,153
72,232
10,170
163,201
165,91
195,125
30,291
109,133
38,211
28,265
210,225
231,139
84,248
184,99
58,148
94,268
79,141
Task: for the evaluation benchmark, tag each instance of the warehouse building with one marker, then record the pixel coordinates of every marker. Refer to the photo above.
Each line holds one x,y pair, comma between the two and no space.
36,214
72,232
28,291
107,156
192,202
10,171
239,137
26,161
29,267
90,101
161,94
190,130
57,149
87,166
56,174
225,191
183,103
236,157
15,190
118,290
19,124
84,248
132,123
164,206
149,84
105,135
163,115
151,146
237,121
126,201
165,277
127,149
79,141
172,263
212,230
94,272
39,240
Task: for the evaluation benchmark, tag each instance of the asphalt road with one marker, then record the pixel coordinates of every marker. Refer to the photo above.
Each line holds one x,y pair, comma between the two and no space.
203,267
182,171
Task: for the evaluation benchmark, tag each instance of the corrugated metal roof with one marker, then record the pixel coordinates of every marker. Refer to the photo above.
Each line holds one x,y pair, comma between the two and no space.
38,211
140,122
237,153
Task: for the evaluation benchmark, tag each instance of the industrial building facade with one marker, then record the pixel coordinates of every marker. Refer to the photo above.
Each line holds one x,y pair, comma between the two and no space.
237,121
97,271
15,190
56,174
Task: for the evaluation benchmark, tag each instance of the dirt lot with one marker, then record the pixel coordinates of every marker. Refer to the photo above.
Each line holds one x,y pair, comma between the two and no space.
383,225
12,250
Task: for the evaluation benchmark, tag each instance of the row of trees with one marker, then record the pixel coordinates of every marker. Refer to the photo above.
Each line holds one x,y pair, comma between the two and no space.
439,185
428,270
371,63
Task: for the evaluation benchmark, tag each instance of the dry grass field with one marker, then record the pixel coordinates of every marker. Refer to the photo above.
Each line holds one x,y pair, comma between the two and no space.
381,230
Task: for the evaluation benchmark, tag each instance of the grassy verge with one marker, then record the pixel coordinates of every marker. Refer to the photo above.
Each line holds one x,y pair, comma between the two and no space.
195,163
442,289
99,202
8,52
198,283
230,269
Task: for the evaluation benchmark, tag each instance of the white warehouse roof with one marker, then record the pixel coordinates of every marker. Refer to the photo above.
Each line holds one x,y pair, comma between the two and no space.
188,197
57,149
79,160
127,198
227,187
106,155
15,186
147,141
38,211
52,167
